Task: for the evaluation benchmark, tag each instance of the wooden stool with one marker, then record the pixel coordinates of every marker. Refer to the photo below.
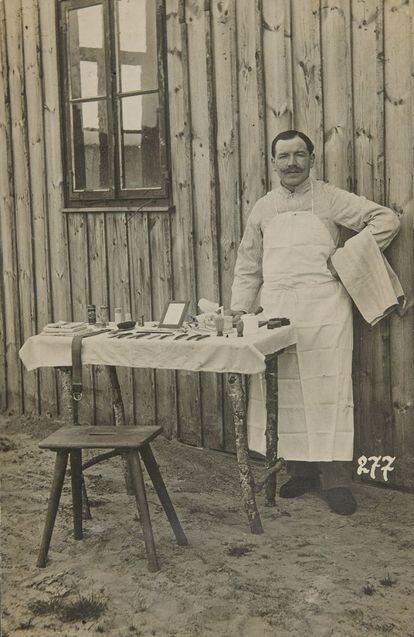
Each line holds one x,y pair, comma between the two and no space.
131,441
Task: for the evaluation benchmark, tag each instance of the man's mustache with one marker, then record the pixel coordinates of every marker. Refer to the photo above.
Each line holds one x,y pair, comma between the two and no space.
292,171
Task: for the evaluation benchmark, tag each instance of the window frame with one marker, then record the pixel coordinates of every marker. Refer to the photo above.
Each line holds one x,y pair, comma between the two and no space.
115,198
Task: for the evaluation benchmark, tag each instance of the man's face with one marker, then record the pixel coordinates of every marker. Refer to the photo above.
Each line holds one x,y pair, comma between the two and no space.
292,161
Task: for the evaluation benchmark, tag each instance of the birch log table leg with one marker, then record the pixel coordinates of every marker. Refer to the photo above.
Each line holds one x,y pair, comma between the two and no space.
237,397
65,375
70,416
271,376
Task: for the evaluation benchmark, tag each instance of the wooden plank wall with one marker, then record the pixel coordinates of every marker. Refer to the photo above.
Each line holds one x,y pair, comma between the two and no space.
239,72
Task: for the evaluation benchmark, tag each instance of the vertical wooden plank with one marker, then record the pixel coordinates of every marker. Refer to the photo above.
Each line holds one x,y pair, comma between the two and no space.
58,243
13,394
225,56
3,368
22,208
140,273
98,285
368,92
182,227
59,251
162,289
79,277
398,31
225,75
307,75
205,199
337,92
119,293
37,171
277,59
372,383
251,116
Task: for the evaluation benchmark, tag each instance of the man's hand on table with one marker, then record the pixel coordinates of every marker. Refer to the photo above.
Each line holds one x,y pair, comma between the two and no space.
237,314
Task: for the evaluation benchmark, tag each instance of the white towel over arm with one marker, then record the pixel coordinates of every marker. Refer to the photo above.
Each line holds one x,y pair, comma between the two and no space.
368,277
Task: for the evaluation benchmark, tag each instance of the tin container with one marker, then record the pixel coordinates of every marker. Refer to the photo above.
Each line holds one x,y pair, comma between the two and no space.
92,314
118,315
104,315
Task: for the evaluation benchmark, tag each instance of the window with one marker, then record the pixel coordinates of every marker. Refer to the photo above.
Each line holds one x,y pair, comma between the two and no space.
113,89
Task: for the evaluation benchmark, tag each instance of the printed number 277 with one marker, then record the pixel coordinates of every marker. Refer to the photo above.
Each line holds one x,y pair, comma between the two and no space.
376,460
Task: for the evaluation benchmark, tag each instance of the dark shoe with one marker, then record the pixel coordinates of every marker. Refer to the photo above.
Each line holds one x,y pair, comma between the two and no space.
341,501
298,485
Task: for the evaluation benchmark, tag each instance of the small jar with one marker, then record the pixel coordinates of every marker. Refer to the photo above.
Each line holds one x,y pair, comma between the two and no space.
92,314
219,323
104,315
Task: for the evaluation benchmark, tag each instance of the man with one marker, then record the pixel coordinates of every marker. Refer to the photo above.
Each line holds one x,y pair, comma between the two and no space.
290,235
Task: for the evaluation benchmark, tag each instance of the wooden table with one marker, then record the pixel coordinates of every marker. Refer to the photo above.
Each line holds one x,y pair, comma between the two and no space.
233,356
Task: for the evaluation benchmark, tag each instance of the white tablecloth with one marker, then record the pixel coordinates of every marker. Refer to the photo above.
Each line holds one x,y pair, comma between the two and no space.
214,354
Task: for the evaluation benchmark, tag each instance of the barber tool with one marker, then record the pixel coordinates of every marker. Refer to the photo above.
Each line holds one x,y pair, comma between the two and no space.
277,322
273,323
201,336
76,351
166,335
115,333
124,334
239,328
140,335
180,336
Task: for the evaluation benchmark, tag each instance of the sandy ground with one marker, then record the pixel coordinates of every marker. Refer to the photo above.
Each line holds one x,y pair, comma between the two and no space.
312,573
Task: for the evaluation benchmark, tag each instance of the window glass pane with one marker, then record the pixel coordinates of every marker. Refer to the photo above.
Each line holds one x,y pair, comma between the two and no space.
137,44
130,77
86,52
140,152
90,146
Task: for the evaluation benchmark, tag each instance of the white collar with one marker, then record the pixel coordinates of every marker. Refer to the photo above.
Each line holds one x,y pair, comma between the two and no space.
304,187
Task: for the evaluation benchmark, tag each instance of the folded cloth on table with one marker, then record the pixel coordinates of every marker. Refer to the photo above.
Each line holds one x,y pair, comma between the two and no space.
66,328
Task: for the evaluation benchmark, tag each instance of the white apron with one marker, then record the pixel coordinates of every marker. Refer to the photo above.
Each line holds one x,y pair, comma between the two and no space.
315,381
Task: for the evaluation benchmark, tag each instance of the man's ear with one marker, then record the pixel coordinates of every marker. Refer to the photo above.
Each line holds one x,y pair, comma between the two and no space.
312,159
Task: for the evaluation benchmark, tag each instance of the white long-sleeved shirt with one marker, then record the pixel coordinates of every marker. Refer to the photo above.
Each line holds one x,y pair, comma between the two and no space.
333,206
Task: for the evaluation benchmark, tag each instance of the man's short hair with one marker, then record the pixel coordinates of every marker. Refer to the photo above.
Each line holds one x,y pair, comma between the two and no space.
291,134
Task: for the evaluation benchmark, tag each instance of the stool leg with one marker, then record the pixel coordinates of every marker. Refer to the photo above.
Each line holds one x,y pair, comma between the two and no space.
53,504
76,479
86,512
142,505
160,488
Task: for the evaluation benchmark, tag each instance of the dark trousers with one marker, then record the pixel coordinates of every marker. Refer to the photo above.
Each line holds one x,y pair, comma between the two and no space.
331,474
